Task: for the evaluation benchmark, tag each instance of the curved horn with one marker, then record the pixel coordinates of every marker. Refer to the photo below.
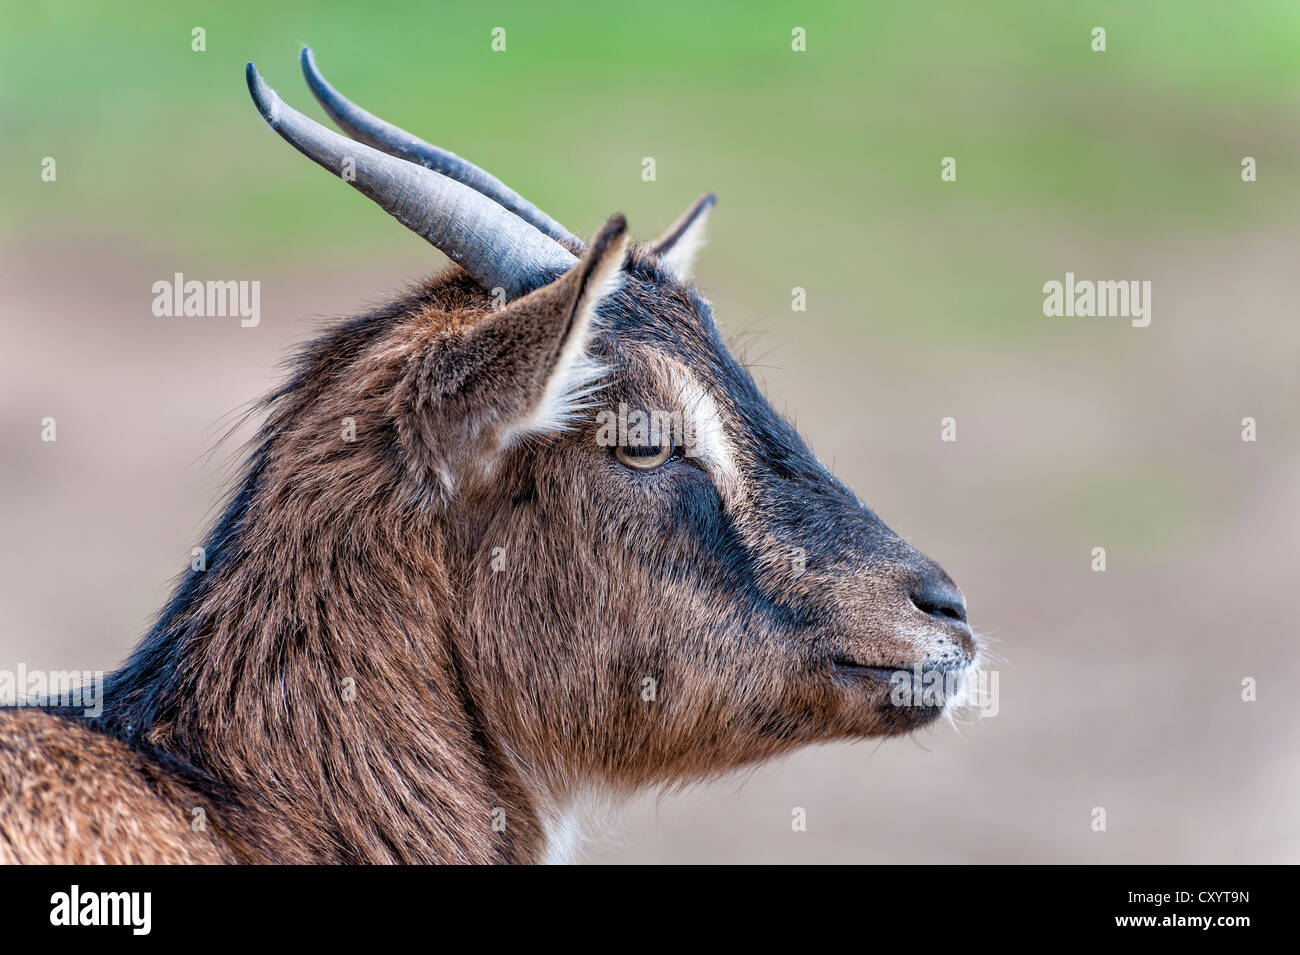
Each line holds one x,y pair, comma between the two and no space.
493,245
373,131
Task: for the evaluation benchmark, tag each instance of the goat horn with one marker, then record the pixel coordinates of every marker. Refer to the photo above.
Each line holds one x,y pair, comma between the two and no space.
493,245
370,129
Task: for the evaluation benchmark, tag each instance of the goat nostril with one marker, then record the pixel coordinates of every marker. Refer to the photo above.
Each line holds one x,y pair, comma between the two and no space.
940,599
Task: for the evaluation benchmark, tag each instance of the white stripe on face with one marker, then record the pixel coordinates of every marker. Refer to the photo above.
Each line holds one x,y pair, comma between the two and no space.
706,436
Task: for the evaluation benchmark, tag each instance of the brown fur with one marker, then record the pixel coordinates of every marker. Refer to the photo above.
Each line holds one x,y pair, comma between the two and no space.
73,795
482,693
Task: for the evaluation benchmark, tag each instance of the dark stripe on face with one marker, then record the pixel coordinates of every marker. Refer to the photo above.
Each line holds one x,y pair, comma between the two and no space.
714,555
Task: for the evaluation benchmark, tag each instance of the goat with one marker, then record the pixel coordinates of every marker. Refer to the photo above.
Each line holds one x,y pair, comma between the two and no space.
441,604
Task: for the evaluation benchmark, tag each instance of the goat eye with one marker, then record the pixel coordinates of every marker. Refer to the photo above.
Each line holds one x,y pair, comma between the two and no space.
645,457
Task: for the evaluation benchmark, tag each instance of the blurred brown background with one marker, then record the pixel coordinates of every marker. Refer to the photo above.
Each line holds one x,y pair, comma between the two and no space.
1119,690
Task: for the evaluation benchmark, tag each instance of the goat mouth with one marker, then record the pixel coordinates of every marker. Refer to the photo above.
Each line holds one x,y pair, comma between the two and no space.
897,674
851,669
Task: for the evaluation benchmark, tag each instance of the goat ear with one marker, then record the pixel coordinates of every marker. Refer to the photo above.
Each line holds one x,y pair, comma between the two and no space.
564,312
523,370
678,246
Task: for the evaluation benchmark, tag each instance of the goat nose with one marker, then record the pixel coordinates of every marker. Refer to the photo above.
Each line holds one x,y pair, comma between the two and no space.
938,596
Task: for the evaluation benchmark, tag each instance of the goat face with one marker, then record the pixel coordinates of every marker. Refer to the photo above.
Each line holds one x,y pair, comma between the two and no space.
666,606
632,604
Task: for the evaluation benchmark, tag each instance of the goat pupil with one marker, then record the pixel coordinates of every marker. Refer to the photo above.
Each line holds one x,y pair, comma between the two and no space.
644,451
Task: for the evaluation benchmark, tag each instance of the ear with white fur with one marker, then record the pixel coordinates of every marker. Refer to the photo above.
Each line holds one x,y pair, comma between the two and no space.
571,375
520,371
678,246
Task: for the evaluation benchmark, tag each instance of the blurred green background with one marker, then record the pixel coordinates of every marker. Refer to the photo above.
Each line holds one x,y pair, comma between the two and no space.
841,143
924,301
